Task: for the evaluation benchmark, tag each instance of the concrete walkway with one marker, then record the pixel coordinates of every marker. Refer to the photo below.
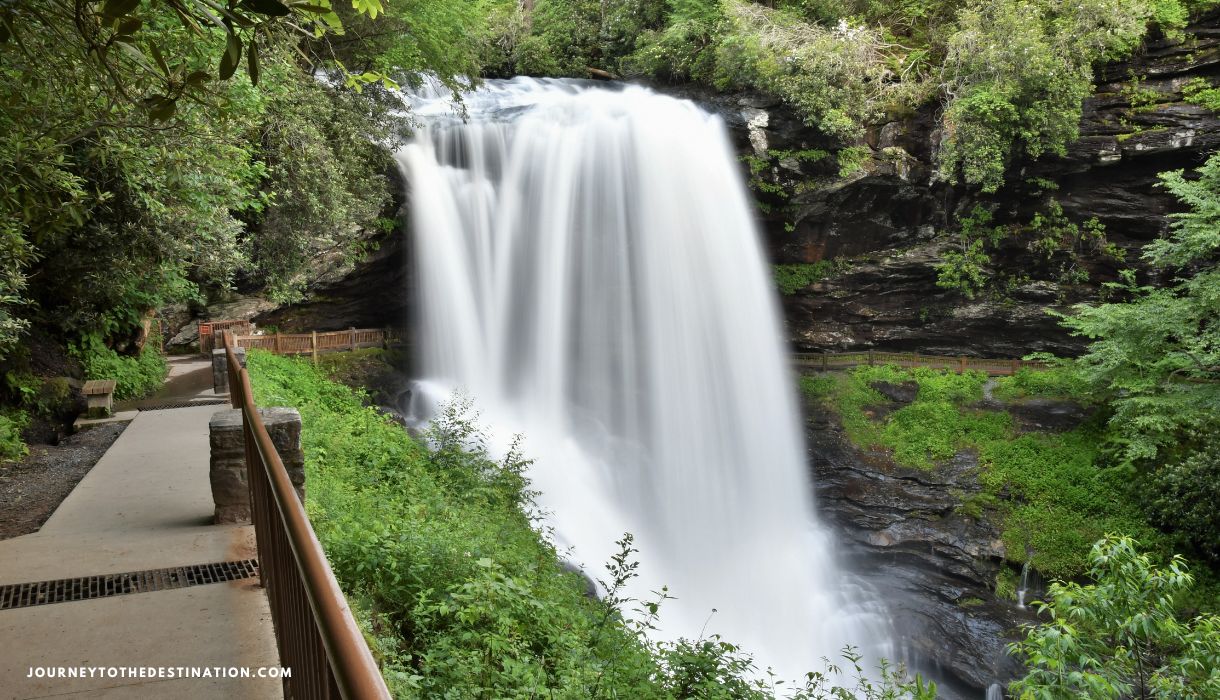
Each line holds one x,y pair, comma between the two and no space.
146,505
189,380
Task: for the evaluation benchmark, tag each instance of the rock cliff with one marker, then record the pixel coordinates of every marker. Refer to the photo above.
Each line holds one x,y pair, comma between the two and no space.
887,221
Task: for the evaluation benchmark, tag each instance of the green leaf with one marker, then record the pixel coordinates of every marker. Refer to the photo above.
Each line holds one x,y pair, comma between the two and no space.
232,55
369,7
162,109
272,8
159,58
197,78
252,62
133,51
118,8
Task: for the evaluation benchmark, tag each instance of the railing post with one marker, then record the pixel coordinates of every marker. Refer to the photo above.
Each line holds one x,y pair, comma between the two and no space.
870,358
277,342
352,341
961,364
313,346
825,357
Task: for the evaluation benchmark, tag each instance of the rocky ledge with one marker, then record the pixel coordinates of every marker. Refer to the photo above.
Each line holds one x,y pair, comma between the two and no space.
888,220
901,530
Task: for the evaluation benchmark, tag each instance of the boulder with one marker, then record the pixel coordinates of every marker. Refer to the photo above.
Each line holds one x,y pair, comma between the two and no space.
898,392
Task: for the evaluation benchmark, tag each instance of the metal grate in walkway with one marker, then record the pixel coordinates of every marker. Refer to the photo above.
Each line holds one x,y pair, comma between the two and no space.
25,595
180,404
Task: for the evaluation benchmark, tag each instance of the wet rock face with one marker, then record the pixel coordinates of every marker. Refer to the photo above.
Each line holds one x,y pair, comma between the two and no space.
891,301
901,531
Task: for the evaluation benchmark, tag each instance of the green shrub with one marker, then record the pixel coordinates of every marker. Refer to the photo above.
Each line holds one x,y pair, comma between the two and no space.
1185,498
12,447
1123,636
135,376
793,278
1019,71
835,78
1053,382
1006,582
1198,91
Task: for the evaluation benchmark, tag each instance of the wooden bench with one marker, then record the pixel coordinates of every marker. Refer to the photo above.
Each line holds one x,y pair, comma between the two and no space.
100,395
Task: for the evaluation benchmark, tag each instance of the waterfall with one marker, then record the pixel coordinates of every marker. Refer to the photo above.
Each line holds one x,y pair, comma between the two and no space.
589,273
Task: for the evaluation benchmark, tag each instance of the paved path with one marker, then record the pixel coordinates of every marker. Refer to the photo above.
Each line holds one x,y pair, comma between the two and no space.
146,505
189,381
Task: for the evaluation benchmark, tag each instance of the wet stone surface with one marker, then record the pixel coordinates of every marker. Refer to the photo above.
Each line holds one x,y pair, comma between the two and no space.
901,531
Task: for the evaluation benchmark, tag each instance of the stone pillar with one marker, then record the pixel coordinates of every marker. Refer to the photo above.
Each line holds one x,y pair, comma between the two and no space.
230,483
220,368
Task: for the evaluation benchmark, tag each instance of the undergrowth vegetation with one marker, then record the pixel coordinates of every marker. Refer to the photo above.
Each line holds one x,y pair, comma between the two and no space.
135,376
12,447
435,542
793,278
1053,493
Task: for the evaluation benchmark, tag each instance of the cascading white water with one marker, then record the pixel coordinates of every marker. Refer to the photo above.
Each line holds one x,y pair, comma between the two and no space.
590,274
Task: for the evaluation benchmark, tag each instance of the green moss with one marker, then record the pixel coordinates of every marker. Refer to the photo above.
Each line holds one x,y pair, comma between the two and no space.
976,505
817,386
931,429
852,159
970,602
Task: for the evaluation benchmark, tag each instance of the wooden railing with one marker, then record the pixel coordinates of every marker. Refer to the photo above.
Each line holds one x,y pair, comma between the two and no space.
317,637
844,360
314,342
210,331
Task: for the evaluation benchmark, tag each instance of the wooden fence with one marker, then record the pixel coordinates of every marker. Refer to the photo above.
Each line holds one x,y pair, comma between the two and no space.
845,360
314,343
210,330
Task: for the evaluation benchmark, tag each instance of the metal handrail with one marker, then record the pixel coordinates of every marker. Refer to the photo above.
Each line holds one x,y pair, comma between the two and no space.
317,636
